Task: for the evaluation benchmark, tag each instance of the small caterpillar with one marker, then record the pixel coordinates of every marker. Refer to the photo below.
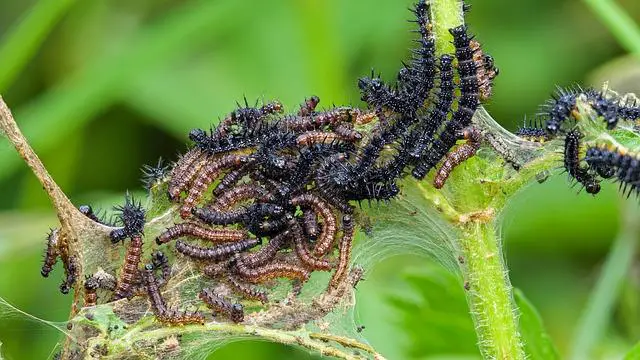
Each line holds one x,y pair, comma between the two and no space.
154,174
620,163
436,117
51,253
309,106
247,291
217,252
195,230
572,163
303,254
214,217
310,222
318,137
267,252
168,316
206,177
326,239
161,262
345,251
184,170
87,211
486,70
71,271
91,284
234,312
457,156
271,271
232,177
132,216
216,269
347,133
237,194
129,269
534,132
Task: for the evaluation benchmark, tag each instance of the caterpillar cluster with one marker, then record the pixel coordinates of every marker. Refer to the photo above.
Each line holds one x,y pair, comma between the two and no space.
557,117
265,195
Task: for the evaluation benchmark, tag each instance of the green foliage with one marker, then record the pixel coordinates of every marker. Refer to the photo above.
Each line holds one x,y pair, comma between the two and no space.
538,344
434,314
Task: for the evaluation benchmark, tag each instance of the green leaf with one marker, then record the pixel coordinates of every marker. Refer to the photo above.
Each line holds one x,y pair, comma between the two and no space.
537,342
634,354
439,313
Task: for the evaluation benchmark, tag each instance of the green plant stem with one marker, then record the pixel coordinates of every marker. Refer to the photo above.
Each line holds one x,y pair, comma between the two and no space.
618,22
490,296
489,292
314,342
24,39
597,313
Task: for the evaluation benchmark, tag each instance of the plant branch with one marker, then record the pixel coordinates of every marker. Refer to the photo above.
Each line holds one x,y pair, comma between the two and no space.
489,292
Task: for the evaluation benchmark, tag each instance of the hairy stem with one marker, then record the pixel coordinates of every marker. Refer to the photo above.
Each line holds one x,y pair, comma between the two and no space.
489,292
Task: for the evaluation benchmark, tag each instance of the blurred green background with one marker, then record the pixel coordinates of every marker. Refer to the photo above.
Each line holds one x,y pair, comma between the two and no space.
102,87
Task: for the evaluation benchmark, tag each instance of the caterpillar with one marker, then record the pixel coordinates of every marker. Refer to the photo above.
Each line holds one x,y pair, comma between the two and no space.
51,253
246,116
254,211
246,290
154,174
235,312
534,132
318,137
616,162
347,133
232,177
310,222
437,115
415,80
129,269
345,251
91,284
308,106
206,177
195,230
216,252
270,271
161,261
467,103
132,216
87,211
303,254
237,194
71,273
326,239
486,70
457,156
184,170
572,163
267,252
216,269
168,316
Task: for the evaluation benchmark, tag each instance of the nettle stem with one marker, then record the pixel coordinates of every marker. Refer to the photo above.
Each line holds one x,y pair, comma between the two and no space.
488,288
489,292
